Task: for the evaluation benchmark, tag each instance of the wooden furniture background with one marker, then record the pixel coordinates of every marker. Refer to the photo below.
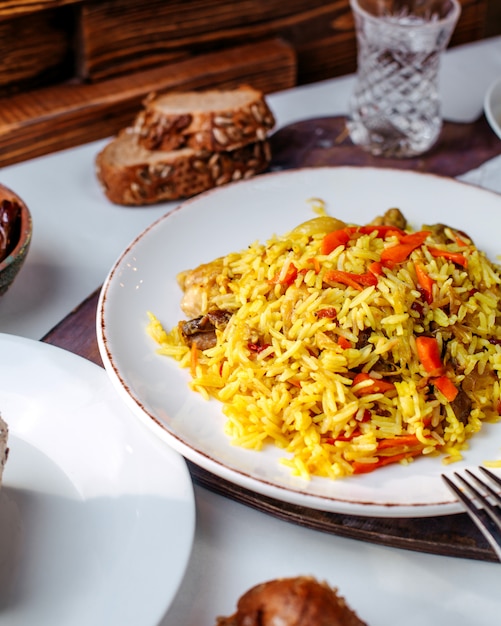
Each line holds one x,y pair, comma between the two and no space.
73,71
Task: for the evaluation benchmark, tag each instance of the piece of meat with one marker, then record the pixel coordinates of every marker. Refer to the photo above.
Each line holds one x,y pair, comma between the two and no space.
439,232
199,286
202,330
392,217
461,405
300,601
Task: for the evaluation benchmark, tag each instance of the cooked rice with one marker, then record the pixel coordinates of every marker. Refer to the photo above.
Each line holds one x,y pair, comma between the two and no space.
284,366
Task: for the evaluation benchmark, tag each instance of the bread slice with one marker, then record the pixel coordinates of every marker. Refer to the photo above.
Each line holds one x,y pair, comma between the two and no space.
214,120
4,450
132,175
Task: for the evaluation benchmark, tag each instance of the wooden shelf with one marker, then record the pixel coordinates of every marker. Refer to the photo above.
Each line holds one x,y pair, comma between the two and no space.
54,118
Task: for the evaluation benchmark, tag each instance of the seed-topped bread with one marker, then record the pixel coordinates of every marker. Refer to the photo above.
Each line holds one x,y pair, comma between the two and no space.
4,450
133,175
213,120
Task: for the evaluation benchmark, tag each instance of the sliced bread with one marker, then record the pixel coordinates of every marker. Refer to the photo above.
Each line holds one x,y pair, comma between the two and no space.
214,120
133,175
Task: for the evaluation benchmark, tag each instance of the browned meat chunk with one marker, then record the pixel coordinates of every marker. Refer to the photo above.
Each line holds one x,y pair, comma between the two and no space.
199,286
392,217
202,330
439,232
461,405
300,601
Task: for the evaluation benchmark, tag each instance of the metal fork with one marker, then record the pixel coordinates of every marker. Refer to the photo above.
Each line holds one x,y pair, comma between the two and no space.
481,501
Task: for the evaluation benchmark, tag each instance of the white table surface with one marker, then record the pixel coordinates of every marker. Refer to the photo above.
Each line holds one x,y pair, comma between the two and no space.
78,235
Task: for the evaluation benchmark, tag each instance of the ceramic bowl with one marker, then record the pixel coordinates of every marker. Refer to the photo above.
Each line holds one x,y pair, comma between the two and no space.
12,261
492,106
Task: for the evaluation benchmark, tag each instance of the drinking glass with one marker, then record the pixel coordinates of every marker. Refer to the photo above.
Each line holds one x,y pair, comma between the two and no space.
395,109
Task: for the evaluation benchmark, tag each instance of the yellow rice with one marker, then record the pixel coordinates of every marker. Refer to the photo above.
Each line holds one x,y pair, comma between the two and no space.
297,391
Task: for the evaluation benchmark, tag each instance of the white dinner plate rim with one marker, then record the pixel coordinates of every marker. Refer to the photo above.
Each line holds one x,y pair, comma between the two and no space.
494,122
104,410
269,488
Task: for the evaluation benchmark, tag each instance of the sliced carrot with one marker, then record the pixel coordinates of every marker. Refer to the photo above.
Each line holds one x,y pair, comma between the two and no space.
286,279
455,257
345,278
460,242
316,264
336,238
329,312
355,433
378,385
447,387
382,230
365,468
425,282
367,279
376,268
358,281
429,355
417,238
401,440
401,251
341,237
343,342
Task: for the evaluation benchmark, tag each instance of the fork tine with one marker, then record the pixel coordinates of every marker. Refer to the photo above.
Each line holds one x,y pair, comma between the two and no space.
491,475
494,494
487,517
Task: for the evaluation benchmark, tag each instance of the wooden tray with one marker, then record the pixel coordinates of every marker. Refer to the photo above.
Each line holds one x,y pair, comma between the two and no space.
319,142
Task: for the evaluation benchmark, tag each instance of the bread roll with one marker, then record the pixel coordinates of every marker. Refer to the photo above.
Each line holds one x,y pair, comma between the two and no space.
215,120
132,175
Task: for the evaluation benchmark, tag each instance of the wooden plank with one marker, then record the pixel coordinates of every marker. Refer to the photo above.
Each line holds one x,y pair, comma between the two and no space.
37,50
9,8
472,22
50,119
180,27
321,33
159,31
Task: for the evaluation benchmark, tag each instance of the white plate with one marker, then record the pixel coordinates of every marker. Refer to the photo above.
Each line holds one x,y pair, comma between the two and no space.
492,106
96,514
218,222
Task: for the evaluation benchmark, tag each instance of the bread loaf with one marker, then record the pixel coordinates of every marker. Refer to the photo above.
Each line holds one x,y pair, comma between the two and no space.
214,120
4,450
133,175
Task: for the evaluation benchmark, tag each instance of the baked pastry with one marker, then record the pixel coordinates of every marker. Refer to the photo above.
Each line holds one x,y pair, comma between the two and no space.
215,120
4,450
301,601
133,175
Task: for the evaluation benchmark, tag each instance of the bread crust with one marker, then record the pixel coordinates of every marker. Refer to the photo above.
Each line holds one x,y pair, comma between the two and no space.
130,175
215,120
